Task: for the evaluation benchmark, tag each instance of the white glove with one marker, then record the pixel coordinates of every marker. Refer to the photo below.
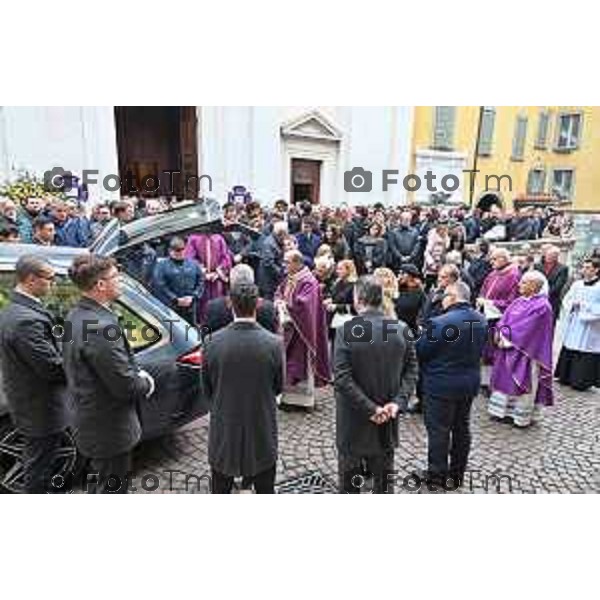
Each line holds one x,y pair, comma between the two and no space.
145,375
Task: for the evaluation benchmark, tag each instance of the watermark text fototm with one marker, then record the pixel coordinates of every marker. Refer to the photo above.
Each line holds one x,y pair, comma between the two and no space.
472,480
361,180
360,330
59,180
133,332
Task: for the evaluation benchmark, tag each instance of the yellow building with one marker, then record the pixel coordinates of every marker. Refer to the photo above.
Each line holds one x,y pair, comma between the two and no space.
547,154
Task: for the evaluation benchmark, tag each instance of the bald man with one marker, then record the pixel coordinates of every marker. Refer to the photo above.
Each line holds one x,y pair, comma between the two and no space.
300,301
557,275
219,311
500,288
521,379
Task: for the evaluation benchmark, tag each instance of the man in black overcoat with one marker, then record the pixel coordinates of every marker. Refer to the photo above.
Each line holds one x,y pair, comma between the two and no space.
32,372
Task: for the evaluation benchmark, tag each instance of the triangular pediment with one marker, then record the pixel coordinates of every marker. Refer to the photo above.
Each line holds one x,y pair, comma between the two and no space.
312,125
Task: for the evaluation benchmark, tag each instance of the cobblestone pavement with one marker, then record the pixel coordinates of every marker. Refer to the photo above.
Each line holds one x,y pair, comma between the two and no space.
559,454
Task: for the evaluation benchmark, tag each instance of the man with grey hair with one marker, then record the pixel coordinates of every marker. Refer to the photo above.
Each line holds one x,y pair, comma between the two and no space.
521,379
449,357
219,311
375,373
299,302
557,275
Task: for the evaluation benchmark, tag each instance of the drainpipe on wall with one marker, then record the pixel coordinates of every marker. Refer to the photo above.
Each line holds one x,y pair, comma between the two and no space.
475,158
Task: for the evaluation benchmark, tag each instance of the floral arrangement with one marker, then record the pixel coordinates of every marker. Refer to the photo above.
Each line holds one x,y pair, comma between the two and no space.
27,185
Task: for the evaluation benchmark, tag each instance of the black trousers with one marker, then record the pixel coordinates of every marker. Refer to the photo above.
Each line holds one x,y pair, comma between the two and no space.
448,436
264,482
39,461
354,473
190,314
109,475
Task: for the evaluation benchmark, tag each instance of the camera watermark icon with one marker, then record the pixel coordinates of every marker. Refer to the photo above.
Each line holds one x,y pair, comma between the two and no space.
358,180
358,330
58,180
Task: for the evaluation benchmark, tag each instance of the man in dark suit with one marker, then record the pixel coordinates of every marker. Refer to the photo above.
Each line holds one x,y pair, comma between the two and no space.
270,270
373,382
242,376
103,377
557,275
449,357
309,240
447,275
219,311
404,243
32,372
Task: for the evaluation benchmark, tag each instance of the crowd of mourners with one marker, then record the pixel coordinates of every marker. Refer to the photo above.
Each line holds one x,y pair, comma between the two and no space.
316,268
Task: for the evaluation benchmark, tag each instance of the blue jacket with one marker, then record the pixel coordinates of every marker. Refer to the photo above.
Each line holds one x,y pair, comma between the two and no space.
74,232
173,279
308,247
451,369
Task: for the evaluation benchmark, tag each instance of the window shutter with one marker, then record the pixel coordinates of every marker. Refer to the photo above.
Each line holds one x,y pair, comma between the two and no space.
575,130
443,135
536,181
486,137
519,140
542,133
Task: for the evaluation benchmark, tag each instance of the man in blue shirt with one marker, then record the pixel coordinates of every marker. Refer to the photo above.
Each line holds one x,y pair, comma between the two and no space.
178,281
70,231
449,357
308,241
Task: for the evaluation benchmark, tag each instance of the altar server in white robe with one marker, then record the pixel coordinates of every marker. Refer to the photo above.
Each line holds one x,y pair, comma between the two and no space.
579,362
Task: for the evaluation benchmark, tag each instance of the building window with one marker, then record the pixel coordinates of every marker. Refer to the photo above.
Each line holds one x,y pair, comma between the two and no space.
486,135
563,183
536,181
541,139
568,132
518,149
443,127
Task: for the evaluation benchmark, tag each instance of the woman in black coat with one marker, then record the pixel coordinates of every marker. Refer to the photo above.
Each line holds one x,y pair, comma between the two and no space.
337,242
371,250
411,296
341,300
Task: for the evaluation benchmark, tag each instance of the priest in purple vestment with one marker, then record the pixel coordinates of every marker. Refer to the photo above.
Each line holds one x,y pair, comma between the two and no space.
499,289
300,303
522,372
501,286
212,253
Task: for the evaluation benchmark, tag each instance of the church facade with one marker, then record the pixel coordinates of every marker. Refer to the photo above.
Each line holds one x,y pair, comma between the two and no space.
295,153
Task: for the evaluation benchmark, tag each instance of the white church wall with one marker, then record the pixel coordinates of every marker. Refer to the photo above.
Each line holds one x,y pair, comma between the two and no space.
245,146
38,138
